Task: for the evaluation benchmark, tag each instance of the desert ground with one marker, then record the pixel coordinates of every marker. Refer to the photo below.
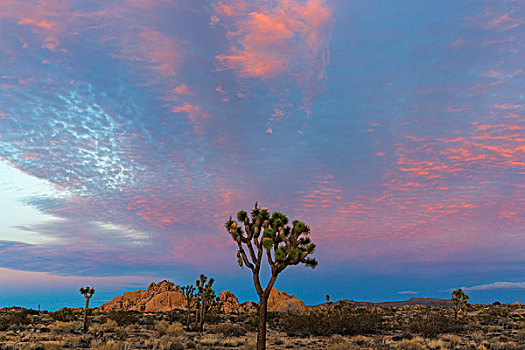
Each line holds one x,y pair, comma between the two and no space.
406,327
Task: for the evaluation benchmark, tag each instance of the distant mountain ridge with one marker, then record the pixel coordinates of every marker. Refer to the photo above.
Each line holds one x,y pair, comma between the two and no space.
409,302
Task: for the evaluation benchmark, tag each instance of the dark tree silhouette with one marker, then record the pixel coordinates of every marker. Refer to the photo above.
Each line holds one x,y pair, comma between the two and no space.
189,295
206,300
460,300
282,244
88,293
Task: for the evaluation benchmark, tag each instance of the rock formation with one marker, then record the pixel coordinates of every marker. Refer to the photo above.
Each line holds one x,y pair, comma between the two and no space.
166,296
162,296
282,302
229,302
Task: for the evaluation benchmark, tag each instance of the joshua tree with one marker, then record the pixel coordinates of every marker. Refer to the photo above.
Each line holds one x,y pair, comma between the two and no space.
328,303
283,246
88,293
460,300
189,295
206,300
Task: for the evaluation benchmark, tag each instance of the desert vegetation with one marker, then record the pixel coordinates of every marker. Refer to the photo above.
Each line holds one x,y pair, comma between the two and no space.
408,327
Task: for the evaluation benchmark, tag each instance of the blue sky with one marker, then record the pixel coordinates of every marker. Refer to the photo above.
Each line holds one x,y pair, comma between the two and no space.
131,129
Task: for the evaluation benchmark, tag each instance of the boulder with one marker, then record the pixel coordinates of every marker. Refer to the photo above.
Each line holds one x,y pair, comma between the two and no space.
282,302
249,307
230,303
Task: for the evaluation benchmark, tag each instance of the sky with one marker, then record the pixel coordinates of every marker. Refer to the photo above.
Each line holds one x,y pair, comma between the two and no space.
130,130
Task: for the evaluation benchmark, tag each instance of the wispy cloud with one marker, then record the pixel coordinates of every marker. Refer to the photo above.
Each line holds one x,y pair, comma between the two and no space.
407,292
496,286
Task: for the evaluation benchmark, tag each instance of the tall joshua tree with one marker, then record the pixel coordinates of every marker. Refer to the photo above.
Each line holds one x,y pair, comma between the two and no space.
460,300
188,292
88,293
282,244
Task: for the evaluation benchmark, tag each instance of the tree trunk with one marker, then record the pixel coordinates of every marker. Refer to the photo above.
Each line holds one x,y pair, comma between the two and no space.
197,316
188,318
261,333
203,315
86,315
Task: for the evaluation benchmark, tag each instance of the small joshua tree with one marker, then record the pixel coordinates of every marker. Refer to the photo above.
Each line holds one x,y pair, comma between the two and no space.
88,293
282,244
188,293
328,303
206,300
460,300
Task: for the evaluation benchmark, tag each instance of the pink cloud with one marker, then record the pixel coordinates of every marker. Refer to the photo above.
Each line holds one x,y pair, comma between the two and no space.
48,20
183,90
194,112
268,40
274,39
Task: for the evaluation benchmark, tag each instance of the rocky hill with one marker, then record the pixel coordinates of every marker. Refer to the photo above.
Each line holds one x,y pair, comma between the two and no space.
165,296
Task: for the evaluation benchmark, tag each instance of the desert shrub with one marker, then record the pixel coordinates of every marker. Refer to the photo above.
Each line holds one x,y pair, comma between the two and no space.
164,343
342,346
249,344
107,345
230,330
63,315
362,341
278,341
233,342
436,344
66,327
176,315
521,335
174,329
433,321
342,321
17,318
250,323
123,318
453,340
495,315
410,345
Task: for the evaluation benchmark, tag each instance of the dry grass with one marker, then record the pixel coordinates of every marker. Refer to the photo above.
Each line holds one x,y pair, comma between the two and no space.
412,344
175,329
436,344
109,345
362,341
60,327
452,339
342,346
164,343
